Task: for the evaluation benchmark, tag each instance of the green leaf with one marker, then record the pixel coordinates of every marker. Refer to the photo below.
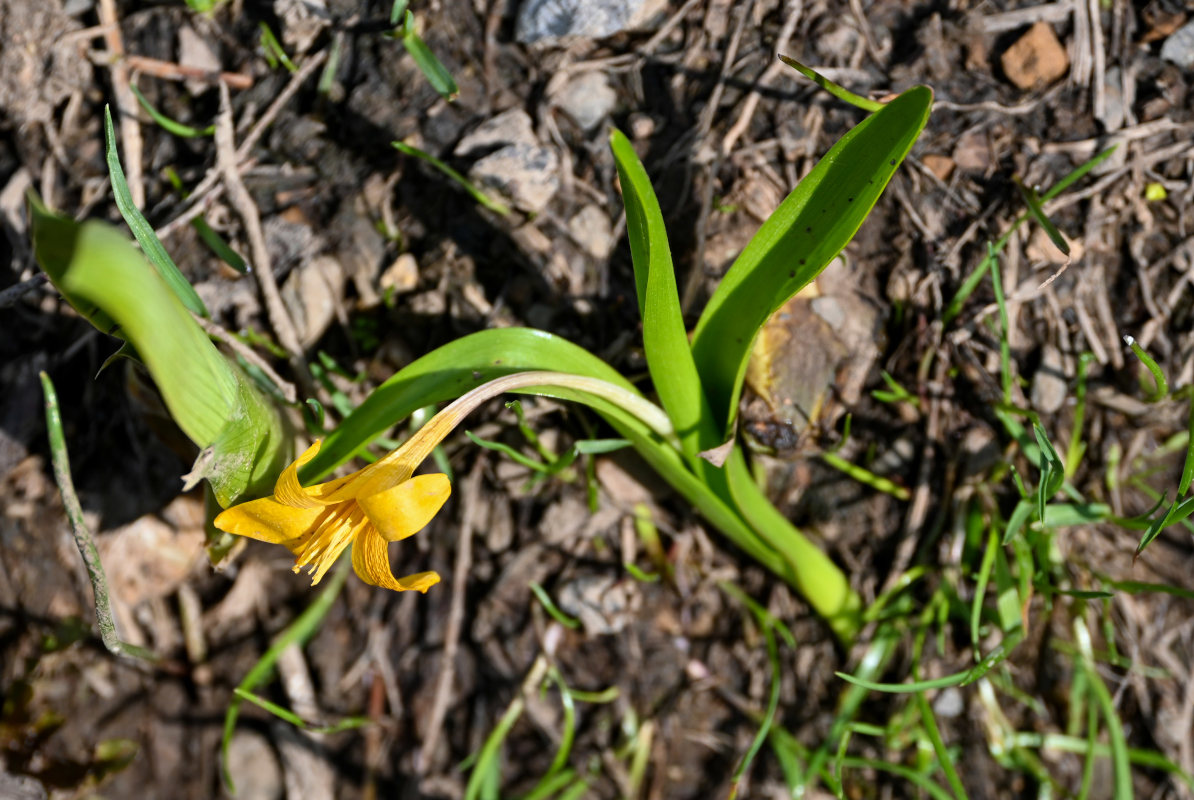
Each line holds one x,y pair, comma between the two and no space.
169,125
481,197
838,91
142,230
1033,201
799,240
665,340
433,69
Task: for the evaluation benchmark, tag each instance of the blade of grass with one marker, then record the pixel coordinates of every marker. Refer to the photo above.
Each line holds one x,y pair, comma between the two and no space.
432,68
285,714
1121,765
142,231
943,757
169,125
840,92
82,534
481,197
975,278
1160,386
1033,201
549,605
299,631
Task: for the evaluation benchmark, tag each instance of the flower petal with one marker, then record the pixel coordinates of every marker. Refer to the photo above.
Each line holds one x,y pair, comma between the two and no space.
269,521
290,492
371,561
404,510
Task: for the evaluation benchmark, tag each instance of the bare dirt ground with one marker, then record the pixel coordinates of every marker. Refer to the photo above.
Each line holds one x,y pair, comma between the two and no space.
382,258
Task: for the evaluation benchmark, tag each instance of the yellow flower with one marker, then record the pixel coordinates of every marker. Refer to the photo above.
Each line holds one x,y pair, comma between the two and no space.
386,501
368,509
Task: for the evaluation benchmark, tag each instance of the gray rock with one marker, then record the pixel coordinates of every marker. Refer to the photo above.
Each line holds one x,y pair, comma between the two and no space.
588,98
551,20
1049,384
524,173
592,230
509,127
1179,47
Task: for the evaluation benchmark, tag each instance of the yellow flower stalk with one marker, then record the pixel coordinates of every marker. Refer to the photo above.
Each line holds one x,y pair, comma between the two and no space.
386,502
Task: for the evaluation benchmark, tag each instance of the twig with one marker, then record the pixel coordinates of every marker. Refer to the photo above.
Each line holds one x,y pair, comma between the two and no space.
696,272
12,294
171,71
796,9
248,354
242,201
208,188
83,538
126,104
447,668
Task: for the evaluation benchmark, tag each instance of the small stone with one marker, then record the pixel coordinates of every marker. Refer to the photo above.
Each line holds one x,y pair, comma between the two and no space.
526,174
588,99
1049,385
939,165
949,703
313,293
1113,114
602,603
401,276
509,127
196,52
1179,47
548,21
1036,59
972,153
592,230
253,767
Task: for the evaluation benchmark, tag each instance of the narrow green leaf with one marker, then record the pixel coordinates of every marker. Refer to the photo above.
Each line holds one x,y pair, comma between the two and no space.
142,230
840,92
799,240
169,125
665,340
481,197
1033,201
433,69
274,53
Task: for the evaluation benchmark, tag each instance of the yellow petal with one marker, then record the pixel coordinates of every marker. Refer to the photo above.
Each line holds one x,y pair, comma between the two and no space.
270,521
290,492
371,561
403,510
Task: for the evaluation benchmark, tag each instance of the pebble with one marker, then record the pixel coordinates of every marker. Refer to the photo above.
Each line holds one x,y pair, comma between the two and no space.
313,292
939,165
588,99
401,276
548,21
253,767
524,173
592,230
1179,47
509,127
1049,385
1036,59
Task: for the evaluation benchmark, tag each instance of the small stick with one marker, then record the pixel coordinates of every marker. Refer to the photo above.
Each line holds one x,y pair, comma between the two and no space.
130,129
12,294
83,538
242,201
171,71
447,664
248,354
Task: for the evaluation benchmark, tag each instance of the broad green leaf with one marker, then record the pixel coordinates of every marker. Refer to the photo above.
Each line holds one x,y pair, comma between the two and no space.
665,340
453,369
98,270
142,230
799,240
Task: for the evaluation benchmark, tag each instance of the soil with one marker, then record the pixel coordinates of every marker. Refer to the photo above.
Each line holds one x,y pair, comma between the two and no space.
413,262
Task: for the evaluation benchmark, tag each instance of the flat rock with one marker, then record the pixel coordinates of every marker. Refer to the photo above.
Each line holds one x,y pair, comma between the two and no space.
1036,59
313,293
524,173
1179,47
588,99
592,230
509,127
549,21
1049,384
